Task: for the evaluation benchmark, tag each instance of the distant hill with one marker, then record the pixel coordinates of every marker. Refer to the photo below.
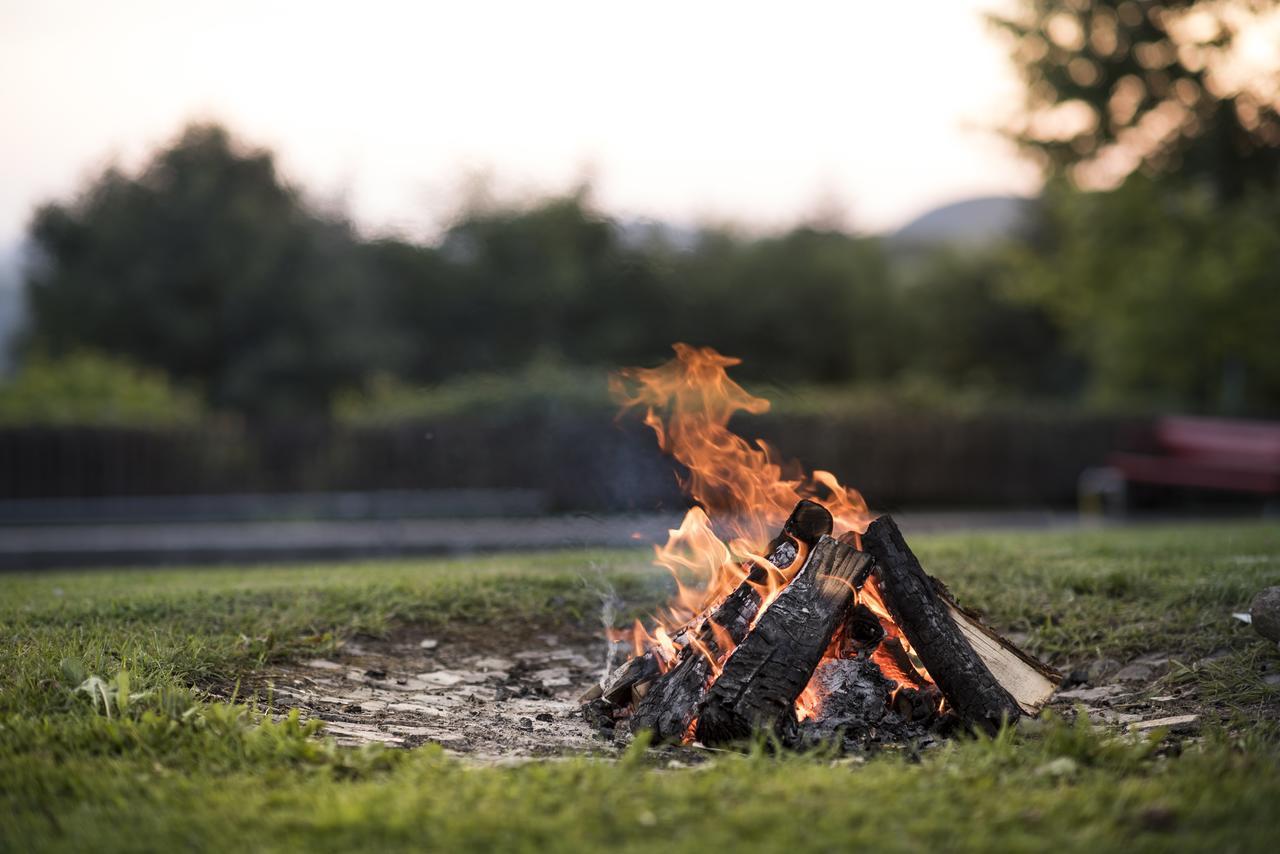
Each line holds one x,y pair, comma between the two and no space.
977,220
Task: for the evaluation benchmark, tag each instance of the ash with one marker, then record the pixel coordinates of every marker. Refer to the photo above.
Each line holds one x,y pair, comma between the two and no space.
857,713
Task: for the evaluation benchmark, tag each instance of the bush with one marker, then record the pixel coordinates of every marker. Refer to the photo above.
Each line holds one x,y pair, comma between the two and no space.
87,389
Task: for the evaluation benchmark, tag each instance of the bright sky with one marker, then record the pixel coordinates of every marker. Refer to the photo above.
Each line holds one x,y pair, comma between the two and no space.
754,113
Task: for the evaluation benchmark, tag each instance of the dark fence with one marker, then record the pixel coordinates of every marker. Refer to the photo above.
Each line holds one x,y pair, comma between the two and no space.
578,463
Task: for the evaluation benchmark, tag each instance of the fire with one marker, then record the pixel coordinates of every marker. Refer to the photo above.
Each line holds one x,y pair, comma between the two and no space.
688,403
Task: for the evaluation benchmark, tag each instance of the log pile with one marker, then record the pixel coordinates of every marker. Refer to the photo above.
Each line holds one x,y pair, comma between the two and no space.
860,645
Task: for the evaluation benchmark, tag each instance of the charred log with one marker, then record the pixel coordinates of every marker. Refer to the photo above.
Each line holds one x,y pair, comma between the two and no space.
862,629
976,696
668,706
760,682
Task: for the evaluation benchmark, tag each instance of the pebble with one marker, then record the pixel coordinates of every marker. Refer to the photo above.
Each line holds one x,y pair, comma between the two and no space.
1100,669
1135,673
1265,611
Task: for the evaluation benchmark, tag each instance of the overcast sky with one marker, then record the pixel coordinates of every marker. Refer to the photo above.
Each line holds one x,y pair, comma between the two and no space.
757,114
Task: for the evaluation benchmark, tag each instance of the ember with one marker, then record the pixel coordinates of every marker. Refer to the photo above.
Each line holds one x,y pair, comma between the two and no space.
798,633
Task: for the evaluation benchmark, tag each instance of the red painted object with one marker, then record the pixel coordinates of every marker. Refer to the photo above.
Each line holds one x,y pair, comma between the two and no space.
1208,453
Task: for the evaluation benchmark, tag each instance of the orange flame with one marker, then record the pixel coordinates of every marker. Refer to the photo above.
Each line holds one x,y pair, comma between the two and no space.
688,403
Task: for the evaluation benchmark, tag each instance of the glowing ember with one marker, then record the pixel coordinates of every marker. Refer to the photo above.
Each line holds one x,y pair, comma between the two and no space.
688,403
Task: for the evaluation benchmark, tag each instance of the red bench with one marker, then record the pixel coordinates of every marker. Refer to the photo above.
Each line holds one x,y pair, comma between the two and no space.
1207,453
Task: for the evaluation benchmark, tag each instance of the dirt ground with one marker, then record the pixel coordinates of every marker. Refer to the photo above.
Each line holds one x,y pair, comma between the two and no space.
494,696
480,694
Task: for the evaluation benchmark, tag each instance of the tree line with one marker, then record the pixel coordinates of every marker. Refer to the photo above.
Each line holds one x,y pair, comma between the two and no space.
1159,288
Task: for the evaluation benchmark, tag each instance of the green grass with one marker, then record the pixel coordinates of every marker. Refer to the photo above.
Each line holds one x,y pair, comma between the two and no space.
151,764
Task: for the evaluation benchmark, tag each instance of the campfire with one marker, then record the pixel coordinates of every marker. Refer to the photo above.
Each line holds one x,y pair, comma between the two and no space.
798,612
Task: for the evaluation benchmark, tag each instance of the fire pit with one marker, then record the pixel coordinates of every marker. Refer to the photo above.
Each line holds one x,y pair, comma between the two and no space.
830,630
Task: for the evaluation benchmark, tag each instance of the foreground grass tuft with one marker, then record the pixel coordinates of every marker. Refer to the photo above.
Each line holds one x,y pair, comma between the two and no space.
107,741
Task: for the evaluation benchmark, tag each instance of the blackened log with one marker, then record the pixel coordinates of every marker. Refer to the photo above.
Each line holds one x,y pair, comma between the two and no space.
862,629
668,706
977,697
758,687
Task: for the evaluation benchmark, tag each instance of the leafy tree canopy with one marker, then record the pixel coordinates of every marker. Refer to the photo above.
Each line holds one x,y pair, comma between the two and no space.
206,264
1114,86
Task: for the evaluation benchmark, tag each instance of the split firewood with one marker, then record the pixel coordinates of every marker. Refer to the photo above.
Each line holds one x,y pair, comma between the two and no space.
760,682
977,696
668,706
1027,680
617,689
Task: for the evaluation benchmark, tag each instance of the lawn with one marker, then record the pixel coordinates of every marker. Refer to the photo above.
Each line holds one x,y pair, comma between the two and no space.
144,760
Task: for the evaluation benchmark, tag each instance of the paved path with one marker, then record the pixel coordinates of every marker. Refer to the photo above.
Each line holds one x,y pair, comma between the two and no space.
42,546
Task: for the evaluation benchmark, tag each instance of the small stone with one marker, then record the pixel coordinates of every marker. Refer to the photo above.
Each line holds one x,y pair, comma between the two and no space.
1100,669
1158,661
323,664
545,716
376,673
526,724
1265,611
1135,673
1076,678
1272,679
428,643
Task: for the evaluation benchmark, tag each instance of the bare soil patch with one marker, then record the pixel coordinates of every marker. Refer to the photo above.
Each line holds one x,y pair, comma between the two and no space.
483,692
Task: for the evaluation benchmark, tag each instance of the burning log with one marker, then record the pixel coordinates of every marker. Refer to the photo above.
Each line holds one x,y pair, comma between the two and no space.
943,637
872,672
901,669
760,682
668,706
862,628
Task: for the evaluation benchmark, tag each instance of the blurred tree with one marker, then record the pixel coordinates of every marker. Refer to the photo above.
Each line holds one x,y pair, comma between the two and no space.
1118,85
555,281
1172,296
87,389
971,332
207,265
1158,243
810,305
